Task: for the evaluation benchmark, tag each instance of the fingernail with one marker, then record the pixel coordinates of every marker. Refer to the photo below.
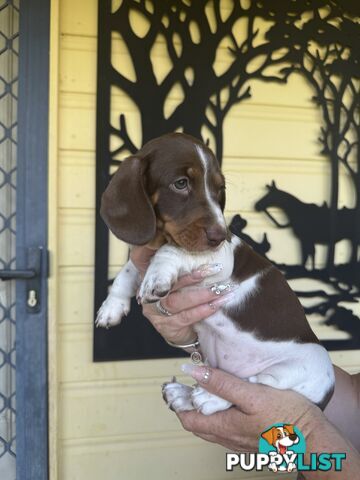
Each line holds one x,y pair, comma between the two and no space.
187,368
200,374
222,300
207,270
223,288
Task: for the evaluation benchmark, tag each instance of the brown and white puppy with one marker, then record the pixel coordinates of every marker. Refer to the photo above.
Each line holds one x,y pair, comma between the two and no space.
171,195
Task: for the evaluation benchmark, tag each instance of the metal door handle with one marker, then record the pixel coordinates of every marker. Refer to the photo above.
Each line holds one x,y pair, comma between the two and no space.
17,274
32,275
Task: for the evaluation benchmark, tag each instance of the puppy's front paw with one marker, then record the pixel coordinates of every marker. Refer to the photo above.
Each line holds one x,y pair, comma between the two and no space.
208,403
112,311
177,396
156,285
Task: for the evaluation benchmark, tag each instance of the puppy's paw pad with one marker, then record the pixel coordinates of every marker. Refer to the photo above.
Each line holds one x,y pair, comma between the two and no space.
177,396
153,288
112,311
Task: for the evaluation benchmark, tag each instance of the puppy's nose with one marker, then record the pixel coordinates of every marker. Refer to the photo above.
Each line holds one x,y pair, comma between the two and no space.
215,235
293,437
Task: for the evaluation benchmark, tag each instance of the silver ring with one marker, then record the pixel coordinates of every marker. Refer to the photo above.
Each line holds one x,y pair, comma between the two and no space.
206,376
162,310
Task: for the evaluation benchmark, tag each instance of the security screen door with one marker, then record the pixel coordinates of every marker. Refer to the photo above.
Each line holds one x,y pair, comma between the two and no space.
24,32
9,44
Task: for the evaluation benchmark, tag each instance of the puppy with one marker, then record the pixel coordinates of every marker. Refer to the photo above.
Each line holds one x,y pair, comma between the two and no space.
171,196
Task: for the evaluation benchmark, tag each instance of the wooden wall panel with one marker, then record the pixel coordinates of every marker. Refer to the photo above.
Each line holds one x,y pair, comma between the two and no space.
114,459
104,426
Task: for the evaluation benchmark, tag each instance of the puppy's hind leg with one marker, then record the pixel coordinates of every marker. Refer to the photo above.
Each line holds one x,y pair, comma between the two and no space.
177,396
207,403
282,376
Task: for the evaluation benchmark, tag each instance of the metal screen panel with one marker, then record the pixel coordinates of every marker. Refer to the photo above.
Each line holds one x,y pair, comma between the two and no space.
9,40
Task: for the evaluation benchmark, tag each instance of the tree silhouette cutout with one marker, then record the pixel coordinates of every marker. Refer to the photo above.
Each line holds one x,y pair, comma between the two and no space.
257,40
194,32
325,51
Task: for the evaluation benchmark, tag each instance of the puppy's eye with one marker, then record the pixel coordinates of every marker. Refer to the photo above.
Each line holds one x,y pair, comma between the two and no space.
181,184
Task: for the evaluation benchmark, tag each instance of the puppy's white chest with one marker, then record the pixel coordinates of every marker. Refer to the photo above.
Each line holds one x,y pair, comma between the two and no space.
224,257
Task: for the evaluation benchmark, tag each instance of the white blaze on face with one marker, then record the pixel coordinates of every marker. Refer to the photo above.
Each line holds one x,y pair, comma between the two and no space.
285,440
214,206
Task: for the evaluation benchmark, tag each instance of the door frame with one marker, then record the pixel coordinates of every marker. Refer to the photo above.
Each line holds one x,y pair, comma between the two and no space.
32,231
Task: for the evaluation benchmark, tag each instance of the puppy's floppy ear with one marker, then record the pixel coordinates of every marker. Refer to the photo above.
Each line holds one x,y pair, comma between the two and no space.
125,205
269,435
289,428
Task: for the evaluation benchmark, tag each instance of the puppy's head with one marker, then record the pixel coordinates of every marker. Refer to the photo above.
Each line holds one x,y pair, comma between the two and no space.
172,186
281,437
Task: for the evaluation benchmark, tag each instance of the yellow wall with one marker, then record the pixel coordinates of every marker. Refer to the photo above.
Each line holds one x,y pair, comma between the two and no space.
108,420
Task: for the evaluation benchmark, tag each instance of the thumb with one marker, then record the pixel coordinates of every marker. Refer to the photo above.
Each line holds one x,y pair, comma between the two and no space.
247,396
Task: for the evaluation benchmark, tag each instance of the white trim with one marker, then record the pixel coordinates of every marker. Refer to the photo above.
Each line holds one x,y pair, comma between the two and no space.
53,239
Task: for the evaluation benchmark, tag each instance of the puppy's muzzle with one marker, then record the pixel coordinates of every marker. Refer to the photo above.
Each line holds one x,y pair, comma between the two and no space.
215,235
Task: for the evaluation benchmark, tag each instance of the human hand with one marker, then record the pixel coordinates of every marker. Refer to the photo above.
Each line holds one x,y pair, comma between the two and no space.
256,407
187,307
344,406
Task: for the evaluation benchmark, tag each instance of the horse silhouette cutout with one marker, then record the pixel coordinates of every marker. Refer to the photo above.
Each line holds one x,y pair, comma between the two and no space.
309,222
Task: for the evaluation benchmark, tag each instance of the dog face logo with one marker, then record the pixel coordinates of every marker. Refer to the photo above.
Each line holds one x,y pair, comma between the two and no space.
281,437
282,442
